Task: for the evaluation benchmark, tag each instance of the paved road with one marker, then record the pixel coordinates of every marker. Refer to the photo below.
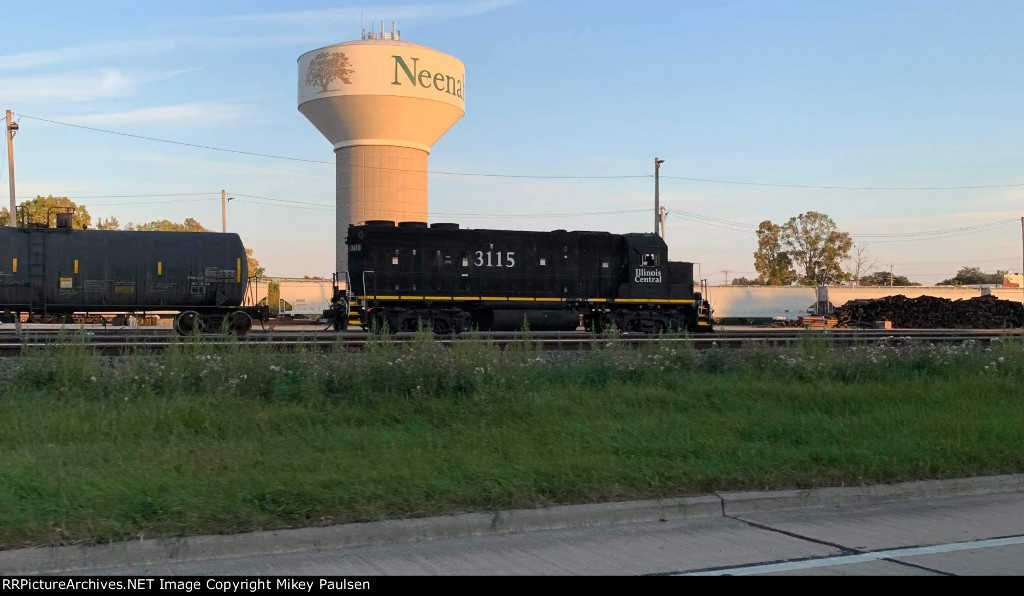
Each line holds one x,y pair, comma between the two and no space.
979,535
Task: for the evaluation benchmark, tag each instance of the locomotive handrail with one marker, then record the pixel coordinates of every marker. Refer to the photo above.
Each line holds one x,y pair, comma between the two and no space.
348,296
365,292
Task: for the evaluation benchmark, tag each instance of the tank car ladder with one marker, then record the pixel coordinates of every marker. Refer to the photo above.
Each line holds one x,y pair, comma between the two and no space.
37,268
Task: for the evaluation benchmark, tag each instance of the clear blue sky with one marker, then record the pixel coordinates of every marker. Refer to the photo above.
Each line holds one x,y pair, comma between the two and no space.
819,93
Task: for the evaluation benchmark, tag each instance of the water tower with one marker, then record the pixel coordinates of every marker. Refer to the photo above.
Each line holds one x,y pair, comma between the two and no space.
382,102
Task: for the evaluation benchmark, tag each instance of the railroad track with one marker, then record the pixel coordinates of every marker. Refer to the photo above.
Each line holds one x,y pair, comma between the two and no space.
119,341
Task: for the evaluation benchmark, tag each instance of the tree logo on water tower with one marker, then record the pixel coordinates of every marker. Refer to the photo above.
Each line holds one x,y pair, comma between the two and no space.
326,67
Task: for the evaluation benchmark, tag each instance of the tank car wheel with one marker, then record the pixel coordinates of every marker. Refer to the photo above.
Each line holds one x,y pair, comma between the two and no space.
189,322
238,323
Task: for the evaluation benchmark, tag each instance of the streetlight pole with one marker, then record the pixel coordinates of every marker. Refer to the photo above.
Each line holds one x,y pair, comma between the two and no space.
657,198
223,211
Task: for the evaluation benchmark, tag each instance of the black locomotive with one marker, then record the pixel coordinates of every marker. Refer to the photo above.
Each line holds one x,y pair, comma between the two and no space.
59,271
457,279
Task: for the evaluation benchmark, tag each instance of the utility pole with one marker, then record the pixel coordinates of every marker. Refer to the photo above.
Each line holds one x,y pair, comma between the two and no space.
663,222
890,275
12,128
726,272
657,198
1022,244
223,211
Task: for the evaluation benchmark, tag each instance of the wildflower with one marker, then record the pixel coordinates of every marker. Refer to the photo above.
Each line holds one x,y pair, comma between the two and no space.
93,379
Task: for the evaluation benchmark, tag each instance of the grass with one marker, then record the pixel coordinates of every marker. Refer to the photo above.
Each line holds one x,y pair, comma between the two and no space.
210,438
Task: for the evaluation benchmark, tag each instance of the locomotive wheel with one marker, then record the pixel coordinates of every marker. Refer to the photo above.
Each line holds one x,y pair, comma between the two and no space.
378,323
442,326
238,323
189,322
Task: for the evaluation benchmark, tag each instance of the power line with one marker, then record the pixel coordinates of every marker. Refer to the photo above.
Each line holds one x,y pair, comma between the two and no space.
834,187
254,202
173,194
954,235
541,215
976,227
697,218
271,156
324,207
533,176
521,176
874,237
148,202
80,197
715,224
194,145
739,226
998,259
281,200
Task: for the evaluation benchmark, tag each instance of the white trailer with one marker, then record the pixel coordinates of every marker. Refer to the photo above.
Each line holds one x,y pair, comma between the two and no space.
761,302
309,298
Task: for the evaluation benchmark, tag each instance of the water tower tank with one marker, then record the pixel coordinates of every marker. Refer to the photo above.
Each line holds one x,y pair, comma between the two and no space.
382,103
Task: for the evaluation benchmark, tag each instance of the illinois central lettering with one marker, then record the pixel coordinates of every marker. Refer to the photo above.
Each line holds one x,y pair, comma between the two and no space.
647,276
424,78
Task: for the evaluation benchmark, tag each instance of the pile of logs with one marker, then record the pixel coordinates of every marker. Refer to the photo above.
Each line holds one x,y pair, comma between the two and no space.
929,312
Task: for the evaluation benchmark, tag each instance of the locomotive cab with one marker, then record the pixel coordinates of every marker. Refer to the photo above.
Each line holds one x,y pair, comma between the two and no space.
648,273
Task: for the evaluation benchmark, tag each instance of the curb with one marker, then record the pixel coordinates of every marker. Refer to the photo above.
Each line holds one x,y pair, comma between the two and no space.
170,550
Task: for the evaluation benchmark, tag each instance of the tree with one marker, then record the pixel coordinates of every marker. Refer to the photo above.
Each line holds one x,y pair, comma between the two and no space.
817,246
326,67
39,210
968,276
773,265
255,269
165,225
882,278
5,216
110,223
742,281
859,262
